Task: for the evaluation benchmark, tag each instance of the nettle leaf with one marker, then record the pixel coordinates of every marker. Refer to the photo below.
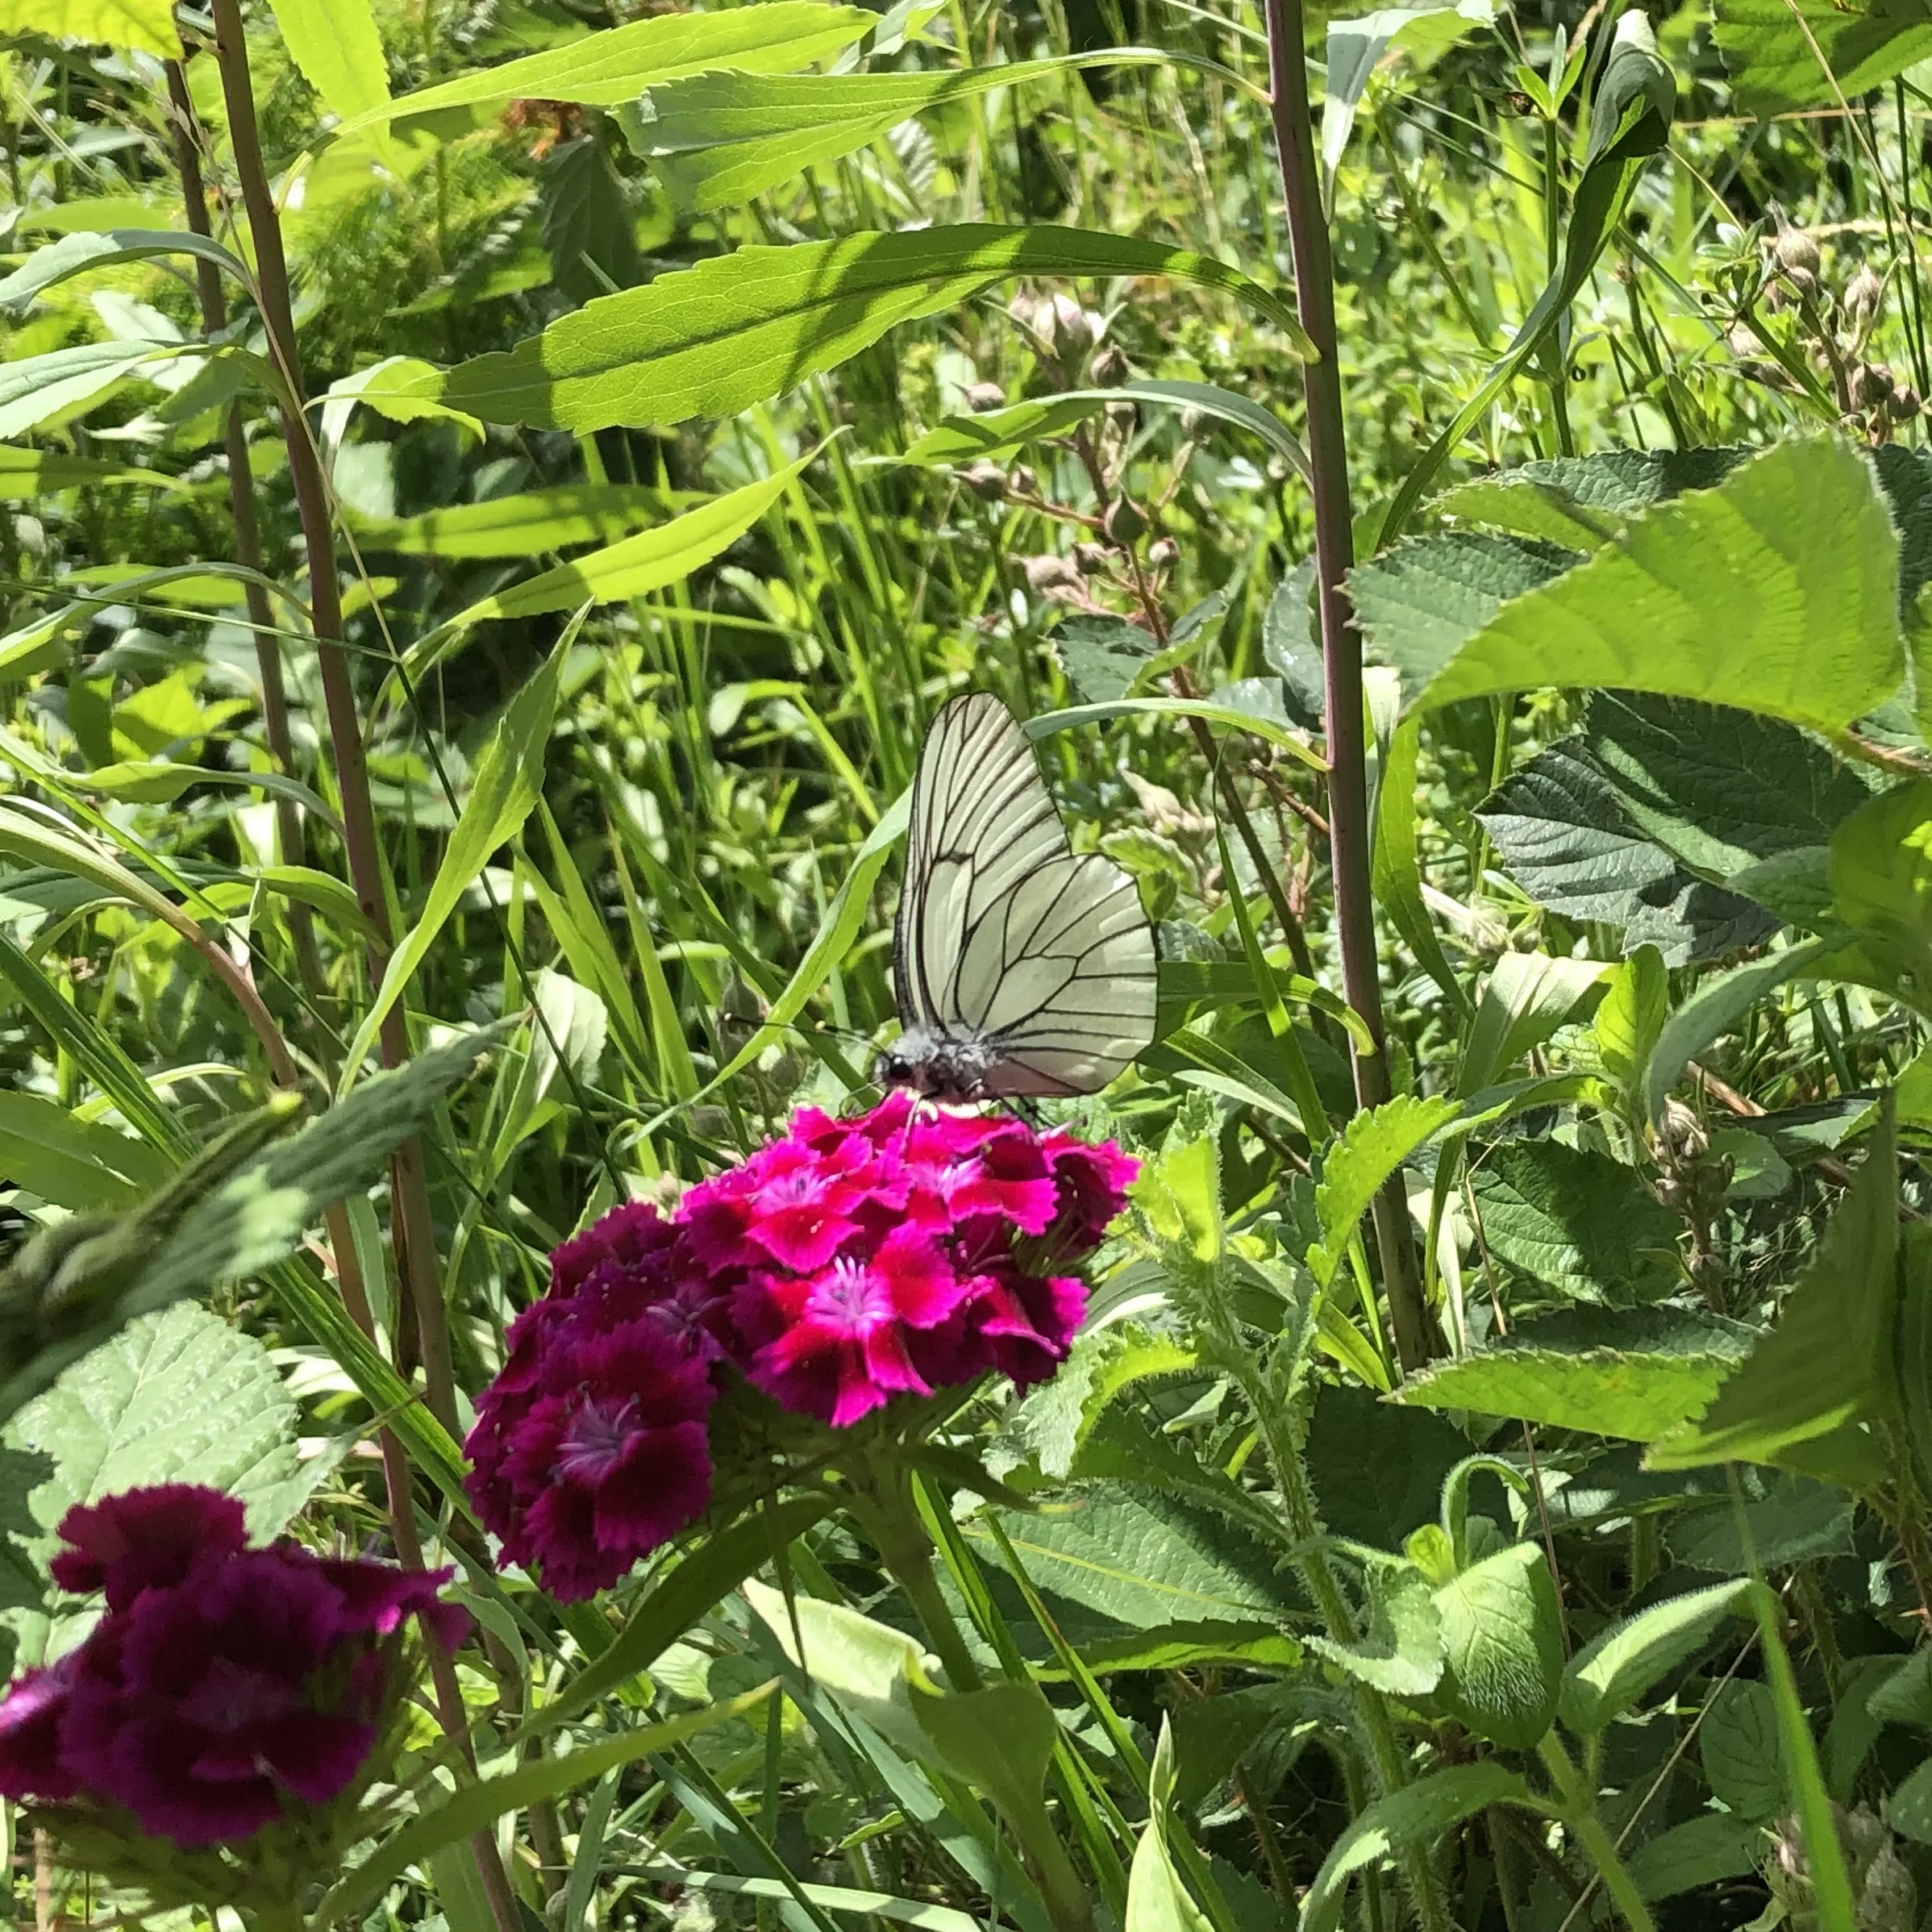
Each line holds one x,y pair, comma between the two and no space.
1775,592
1634,1373
1579,1222
1375,1143
1789,1519
1782,55
1615,1668
1699,1852
588,225
1104,657
176,1397
1738,1740
1377,1499
739,328
1580,502
1503,1646
1826,1368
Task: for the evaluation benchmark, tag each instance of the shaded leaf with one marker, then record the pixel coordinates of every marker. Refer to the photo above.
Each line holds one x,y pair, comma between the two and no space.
1615,1668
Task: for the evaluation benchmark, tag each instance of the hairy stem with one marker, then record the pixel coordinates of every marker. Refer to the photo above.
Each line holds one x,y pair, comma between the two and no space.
1416,1338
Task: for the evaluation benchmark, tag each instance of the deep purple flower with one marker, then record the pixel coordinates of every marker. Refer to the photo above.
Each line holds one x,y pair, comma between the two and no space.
124,1544
224,1685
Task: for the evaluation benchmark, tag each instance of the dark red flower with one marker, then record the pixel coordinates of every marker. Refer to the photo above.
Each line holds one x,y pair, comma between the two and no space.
124,1544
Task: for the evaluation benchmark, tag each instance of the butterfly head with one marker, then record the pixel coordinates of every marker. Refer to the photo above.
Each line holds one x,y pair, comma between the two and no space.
933,1066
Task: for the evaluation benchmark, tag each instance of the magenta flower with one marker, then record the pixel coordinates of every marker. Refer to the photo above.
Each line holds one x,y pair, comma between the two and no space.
849,1263
225,1687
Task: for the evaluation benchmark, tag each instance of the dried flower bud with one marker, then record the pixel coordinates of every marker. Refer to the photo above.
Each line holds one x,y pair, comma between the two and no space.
1682,1132
1047,573
1796,253
986,481
1873,385
1022,481
1089,558
1073,329
1162,552
1742,341
1193,424
1109,366
1862,297
1124,524
981,397
1025,309
1903,404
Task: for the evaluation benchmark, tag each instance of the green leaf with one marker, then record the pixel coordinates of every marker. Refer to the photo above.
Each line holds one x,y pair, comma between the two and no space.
1699,1852
1143,1558
609,68
1627,1372
503,792
739,328
37,387
477,1806
633,567
523,525
1398,867
1416,1817
1401,1653
1581,501
1881,876
1503,1646
1775,592
1782,55
588,225
701,1579
1908,1808
176,1397
336,45
1157,1901
1629,1018
146,26
1716,1007
1577,1221
1375,1143
1791,1519
717,139
1191,1646
30,473
1738,1740
82,1165
1564,836
1828,1363
1611,1671
1001,433
1527,997
1378,1499
1356,47
75,254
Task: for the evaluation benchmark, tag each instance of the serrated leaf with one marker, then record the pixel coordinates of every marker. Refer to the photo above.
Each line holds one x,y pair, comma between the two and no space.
1611,1671
1503,1646
1827,1366
176,1397
1738,1741
1576,1221
1634,1373
1793,1520
1377,1500
1782,55
1401,1652
1580,502
146,26
738,329
1105,657
1698,1852
1775,592
584,219
1360,1158
336,45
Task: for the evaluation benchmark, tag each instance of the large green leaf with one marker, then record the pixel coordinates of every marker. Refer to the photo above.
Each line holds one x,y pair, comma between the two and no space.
1782,55
1827,1367
1581,503
1629,1372
508,780
30,473
37,387
1577,1221
74,254
1775,592
609,68
525,525
176,1397
1401,1651
1503,1646
146,26
336,45
1366,1152
713,340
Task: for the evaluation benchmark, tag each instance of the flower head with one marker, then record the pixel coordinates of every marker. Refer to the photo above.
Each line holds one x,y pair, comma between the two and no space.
225,1687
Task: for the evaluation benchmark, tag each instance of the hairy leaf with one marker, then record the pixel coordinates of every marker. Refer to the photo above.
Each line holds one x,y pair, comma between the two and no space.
1611,1671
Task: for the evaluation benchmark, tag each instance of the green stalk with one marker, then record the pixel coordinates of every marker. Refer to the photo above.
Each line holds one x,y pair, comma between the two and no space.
1580,1814
1417,1337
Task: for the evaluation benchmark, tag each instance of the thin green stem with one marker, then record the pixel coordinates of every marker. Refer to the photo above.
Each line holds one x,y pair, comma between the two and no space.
1579,1815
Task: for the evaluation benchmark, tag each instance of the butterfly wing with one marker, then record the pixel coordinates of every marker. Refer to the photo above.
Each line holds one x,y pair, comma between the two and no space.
982,820
1004,937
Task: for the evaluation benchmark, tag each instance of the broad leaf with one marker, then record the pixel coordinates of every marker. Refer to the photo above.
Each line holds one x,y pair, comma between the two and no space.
1782,55
1634,1373
1581,503
1615,1668
37,387
1738,1740
30,473
1577,1221
1775,592
1502,1631
713,340
147,27
1401,1653
1367,1150
1699,1852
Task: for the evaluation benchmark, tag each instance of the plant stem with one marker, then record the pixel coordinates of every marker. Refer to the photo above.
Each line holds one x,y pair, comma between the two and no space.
412,1226
1417,1337
1580,1814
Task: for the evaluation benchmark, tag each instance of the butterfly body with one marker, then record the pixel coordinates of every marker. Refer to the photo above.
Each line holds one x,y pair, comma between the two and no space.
1021,968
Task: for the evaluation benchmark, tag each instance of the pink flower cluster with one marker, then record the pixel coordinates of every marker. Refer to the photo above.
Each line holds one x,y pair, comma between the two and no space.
850,1262
224,1684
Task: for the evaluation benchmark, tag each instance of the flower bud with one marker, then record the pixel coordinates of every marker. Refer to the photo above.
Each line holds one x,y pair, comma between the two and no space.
1021,481
1089,558
1873,385
1796,253
1193,424
986,481
1123,523
1862,298
1903,404
1162,552
981,397
1109,366
1073,329
1047,573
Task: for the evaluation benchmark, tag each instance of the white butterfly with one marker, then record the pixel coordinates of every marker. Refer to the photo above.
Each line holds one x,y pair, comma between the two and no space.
1019,969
